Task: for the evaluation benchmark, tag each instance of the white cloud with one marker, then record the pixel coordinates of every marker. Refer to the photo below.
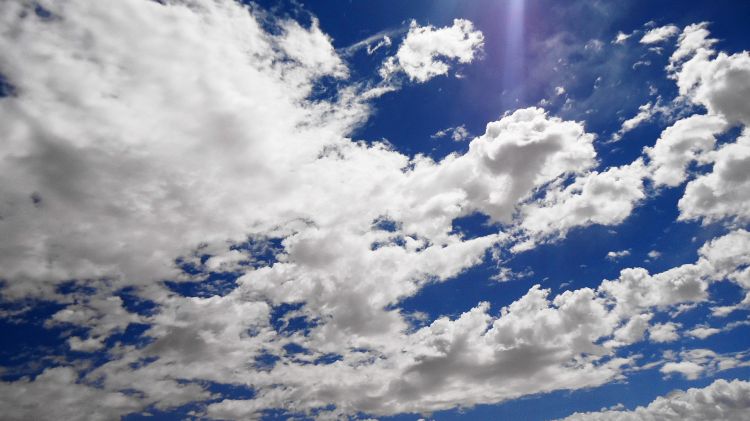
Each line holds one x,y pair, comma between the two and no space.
693,39
664,332
197,136
373,43
695,363
632,331
724,193
703,332
606,198
689,369
717,81
538,343
721,84
311,48
167,171
457,134
722,258
506,274
385,42
721,400
154,146
645,113
617,255
659,34
517,154
56,394
687,140
423,53
227,261
621,37
723,311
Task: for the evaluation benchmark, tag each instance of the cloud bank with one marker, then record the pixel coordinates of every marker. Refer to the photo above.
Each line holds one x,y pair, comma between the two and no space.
198,151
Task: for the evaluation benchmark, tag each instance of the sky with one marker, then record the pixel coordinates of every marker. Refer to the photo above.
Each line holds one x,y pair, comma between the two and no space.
349,210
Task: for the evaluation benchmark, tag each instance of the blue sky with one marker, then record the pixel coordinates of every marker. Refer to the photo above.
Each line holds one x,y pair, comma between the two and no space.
437,210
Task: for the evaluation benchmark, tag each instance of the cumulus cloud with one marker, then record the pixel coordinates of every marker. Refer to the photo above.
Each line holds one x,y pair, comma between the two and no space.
687,140
694,39
606,198
694,363
664,332
659,34
645,113
719,259
198,150
703,332
621,37
129,156
311,48
719,82
723,311
721,400
423,53
56,394
172,153
456,134
724,193
617,255
538,343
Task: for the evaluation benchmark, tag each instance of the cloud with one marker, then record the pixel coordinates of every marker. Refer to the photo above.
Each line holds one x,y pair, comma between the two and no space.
694,363
659,34
606,198
645,113
158,153
520,152
539,343
689,369
373,43
199,150
457,134
687,140
702,332
725,400
621,37
506,274
423,53
617,255
721,258
56,393
153,173
722,193
720,84
723,311
311,48
664,332
694,39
